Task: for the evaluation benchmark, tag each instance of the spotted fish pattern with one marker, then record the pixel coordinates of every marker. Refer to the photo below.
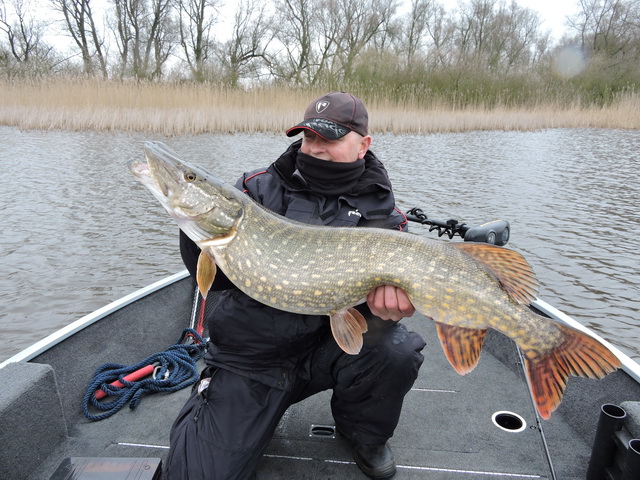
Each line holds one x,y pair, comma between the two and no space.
465,288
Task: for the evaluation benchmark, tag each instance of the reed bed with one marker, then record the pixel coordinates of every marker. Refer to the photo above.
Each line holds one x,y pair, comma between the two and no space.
187,108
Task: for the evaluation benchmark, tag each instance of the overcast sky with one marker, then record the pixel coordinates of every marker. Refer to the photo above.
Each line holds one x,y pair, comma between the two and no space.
552,12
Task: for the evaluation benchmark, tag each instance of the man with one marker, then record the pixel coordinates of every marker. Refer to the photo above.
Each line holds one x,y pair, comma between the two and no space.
261,360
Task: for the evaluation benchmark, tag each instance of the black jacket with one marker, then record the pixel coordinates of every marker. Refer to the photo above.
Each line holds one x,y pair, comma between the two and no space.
264,343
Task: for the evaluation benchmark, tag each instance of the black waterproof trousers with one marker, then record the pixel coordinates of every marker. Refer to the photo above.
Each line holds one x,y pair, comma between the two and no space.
222,432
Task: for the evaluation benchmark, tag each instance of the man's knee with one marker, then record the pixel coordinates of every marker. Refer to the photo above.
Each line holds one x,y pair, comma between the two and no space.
408,361
392,362
401,347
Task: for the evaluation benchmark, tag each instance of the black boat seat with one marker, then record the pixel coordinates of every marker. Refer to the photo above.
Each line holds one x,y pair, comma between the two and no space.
30,409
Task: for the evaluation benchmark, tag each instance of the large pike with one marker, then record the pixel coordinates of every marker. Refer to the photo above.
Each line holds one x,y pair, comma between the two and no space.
465,288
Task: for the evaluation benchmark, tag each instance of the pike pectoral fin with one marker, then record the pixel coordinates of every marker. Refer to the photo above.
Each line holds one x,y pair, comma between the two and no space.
579,354
510,269
462,346
347,326
206,273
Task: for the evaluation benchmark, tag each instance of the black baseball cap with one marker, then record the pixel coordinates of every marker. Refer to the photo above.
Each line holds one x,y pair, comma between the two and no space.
334,115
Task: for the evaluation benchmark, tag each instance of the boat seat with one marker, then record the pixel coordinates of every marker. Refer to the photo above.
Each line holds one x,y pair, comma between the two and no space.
633,417
32,409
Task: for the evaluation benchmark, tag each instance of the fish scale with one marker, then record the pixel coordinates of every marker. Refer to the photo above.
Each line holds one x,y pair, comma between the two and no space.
287,276
465,288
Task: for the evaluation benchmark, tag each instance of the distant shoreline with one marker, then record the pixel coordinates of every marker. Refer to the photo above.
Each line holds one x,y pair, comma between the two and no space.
191,109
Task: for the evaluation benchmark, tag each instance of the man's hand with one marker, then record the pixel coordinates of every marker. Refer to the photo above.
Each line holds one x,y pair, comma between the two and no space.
390,303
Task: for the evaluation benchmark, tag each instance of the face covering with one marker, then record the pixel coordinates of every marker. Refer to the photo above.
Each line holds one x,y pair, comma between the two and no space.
329,178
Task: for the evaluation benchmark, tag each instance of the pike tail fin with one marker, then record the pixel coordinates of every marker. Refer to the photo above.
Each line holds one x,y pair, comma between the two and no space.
580,355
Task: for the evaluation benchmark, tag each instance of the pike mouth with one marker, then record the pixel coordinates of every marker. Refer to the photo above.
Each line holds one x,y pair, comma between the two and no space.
139,168
142,171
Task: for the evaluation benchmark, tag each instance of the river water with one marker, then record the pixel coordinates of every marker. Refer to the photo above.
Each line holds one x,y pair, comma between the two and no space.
77,231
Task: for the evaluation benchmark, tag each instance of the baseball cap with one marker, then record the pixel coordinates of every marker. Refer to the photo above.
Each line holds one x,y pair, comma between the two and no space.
334,115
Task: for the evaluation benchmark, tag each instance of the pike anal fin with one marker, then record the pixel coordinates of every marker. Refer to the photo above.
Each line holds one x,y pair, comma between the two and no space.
462,346
205,273
347,326
579,354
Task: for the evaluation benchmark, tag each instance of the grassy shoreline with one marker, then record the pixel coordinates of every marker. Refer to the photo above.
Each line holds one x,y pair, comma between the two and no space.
177,109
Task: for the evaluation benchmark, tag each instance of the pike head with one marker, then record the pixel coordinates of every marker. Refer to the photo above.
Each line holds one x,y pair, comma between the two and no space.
205,208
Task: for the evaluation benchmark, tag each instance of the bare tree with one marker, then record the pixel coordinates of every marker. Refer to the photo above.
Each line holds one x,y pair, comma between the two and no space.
516,39
22,33
122,32
610,27
144,36
81,26
415,26
358,22
327,33
26,51
251,36
427,35
295,32
196,19
474,29
609,34
322,39
498,37
441,32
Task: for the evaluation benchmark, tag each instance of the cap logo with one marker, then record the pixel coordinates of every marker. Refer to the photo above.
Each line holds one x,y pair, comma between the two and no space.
321,106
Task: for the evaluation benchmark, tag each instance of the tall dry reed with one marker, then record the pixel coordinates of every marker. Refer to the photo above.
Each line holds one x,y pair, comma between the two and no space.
188,108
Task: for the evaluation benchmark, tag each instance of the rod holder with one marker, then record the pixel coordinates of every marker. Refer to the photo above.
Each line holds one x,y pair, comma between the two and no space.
603,452
631,467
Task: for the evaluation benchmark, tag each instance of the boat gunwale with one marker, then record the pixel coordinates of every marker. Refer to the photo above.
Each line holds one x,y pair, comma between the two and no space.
629,365
67,331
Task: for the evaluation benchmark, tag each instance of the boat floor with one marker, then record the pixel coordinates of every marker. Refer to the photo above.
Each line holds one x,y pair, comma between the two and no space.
445,431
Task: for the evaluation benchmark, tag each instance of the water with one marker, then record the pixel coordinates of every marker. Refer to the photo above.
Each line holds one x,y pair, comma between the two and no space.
77,231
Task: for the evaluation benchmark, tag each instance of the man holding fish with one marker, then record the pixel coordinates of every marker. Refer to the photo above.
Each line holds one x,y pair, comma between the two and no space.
271,343
261,359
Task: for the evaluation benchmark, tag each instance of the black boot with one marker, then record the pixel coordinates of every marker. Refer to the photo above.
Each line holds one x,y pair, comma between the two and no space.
376,461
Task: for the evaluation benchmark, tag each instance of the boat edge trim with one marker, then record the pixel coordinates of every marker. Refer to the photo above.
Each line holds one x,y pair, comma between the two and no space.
630,366
83,322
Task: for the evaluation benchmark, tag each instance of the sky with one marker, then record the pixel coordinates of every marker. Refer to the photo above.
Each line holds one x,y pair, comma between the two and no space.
552,12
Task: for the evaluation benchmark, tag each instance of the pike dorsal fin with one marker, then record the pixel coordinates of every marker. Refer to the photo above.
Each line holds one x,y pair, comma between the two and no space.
205,273
509,267
462,346
347,326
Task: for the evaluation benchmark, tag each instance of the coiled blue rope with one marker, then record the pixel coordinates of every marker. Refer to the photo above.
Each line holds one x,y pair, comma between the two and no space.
177,364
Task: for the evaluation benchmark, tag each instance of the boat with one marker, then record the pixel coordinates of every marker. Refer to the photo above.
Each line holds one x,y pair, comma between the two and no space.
479,426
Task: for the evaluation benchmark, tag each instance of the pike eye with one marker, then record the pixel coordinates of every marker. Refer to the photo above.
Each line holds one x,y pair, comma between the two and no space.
190,177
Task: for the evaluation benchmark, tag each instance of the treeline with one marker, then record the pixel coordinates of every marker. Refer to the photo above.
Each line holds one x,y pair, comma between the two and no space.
482,52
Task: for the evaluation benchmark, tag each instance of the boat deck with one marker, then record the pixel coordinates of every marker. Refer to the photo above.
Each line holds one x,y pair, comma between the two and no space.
445,432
